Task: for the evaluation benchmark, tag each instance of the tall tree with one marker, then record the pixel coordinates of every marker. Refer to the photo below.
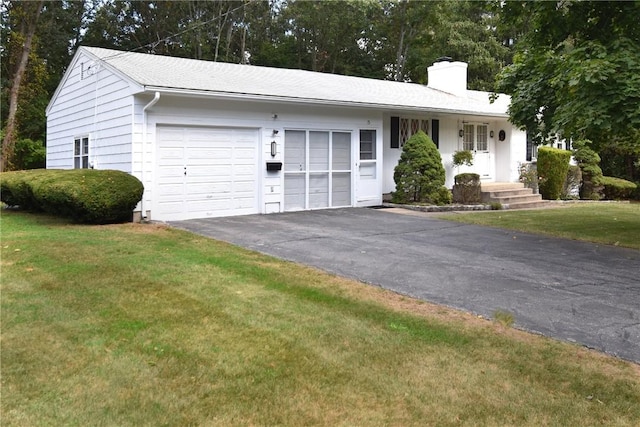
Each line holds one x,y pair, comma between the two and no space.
27,15
576,73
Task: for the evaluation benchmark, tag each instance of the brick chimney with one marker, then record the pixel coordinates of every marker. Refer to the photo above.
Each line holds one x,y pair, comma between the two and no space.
448,76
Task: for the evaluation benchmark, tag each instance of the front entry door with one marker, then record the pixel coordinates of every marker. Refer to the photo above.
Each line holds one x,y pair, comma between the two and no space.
476,140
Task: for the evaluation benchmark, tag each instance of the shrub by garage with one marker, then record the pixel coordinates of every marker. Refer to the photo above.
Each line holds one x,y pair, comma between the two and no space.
84,195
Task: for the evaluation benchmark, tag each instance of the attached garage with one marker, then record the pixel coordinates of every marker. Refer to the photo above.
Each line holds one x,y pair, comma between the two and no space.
205,172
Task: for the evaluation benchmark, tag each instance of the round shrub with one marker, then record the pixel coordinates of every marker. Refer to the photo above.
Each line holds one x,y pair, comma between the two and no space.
617,188
553,165
419,174
85,195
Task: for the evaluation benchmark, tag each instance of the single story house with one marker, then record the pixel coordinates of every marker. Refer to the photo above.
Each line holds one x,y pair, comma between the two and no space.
216,139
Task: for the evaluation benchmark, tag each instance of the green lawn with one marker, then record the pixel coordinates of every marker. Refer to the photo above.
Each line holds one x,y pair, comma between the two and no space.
609,223
144,325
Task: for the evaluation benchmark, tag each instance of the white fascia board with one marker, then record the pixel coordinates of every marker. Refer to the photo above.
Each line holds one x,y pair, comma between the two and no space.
311,101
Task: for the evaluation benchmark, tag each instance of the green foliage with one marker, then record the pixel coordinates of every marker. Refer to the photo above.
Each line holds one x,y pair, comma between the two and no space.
529,176
617,188
29,154
577,70
589,163
419,174
571,188
466,189
85,195
16,188
553,165
463,157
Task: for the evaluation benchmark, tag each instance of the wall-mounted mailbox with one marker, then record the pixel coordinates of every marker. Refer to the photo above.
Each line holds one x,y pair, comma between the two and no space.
274,166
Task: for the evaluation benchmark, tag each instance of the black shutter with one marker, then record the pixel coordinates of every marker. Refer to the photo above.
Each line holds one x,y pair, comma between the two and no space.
395,132
529,147
435,132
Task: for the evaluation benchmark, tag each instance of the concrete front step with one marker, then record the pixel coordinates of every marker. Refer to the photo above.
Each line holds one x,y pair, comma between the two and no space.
529,205
521,198
496,186
512,194
507,193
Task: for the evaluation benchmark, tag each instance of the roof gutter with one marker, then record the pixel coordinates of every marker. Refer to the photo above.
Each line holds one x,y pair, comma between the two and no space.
151,103
315,101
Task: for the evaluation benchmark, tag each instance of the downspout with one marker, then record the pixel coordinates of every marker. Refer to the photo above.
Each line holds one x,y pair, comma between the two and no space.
151,103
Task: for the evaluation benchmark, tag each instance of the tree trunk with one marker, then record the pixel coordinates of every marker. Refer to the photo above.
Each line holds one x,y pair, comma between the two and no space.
28,29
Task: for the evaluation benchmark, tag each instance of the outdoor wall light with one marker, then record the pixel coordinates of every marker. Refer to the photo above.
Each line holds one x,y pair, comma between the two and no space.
491,134
461,133
275,132
274,116
274,148
502,135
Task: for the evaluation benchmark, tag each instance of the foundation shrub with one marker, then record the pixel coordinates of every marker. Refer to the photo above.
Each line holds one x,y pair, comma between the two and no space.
16,188
617,188
466,188
85,195
419,174
589,162
529,175
553,165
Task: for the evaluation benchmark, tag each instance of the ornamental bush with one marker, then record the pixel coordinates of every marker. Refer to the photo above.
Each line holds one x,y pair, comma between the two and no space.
419,174
84,195
589,163
553,165
617,188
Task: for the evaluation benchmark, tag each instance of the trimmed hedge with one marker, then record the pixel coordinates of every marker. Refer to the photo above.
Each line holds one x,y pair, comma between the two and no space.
85,195
553,165
466,189
617,188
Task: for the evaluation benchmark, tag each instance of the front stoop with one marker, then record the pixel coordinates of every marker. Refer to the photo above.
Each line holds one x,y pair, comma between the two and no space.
512,194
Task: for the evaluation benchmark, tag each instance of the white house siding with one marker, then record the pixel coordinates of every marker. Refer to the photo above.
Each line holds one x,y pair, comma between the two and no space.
265,117
98,105
504,155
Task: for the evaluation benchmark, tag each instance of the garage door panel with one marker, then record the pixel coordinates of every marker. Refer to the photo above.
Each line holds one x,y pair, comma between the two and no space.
204,189
221,172
170,190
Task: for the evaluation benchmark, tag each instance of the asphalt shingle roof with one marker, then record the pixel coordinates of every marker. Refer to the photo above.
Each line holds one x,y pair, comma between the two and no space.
155,72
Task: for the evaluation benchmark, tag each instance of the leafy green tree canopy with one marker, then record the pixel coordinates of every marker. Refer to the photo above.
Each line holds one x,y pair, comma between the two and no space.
576,73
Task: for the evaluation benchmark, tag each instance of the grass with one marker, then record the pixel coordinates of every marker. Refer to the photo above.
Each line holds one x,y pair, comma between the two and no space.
144,325
608,223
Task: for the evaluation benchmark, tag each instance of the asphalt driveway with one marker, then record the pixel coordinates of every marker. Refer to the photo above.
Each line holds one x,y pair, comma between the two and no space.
574,291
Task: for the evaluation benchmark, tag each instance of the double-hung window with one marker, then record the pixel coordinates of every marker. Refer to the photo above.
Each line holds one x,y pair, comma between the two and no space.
81,152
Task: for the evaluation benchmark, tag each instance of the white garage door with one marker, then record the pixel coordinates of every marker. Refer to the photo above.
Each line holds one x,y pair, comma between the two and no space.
205,172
